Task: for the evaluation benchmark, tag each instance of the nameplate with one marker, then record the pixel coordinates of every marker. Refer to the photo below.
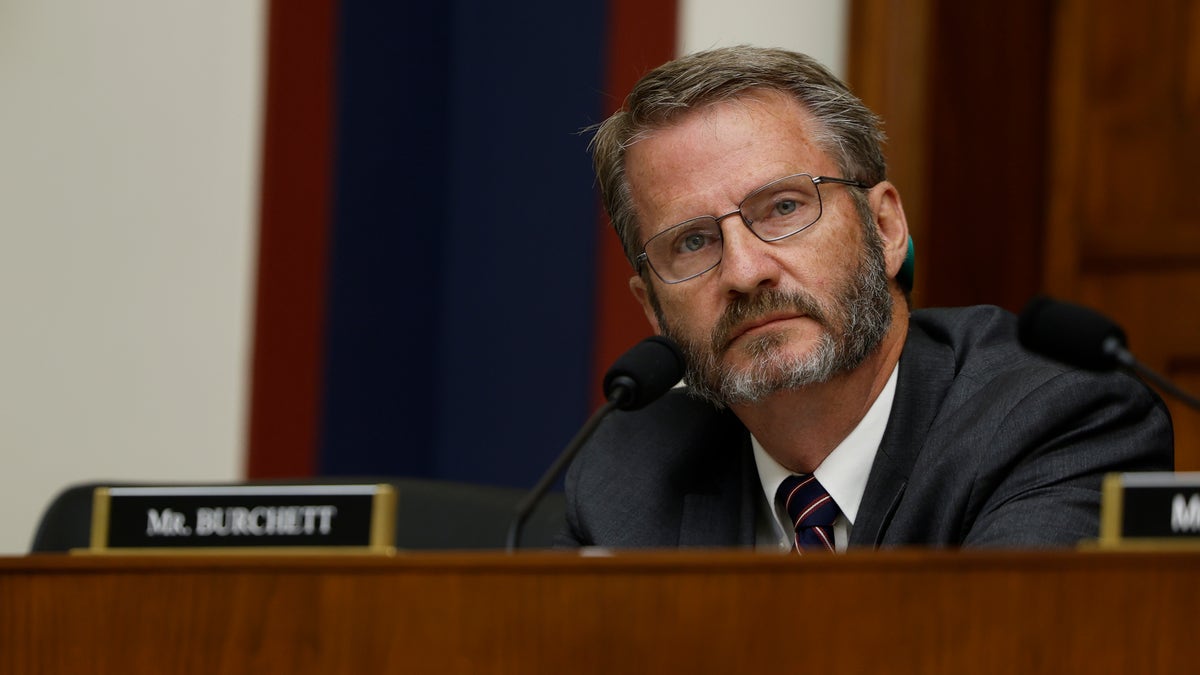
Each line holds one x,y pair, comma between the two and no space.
241,518
1150,509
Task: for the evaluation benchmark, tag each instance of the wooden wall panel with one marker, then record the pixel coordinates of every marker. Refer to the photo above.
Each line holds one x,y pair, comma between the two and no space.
1122,231
888,57
962,88
1138,199
1049,148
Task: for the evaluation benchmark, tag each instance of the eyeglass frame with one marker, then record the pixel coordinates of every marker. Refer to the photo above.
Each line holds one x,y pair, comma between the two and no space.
817,181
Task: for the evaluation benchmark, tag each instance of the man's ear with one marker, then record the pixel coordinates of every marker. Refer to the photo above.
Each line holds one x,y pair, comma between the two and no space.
892,225
640,291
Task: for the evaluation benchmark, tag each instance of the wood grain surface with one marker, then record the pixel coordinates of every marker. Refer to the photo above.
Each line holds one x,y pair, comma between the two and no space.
696,612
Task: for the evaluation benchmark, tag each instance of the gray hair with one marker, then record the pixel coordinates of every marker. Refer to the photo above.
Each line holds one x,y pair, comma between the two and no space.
847,129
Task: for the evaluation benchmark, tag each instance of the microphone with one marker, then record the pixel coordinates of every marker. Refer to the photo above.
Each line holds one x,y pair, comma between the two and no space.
1084,338
1072,334
644,373
639,377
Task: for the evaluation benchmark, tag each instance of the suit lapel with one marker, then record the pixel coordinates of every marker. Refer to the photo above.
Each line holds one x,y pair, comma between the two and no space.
926,371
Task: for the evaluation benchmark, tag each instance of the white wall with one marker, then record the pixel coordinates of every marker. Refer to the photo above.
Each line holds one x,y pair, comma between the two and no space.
129,141
815,27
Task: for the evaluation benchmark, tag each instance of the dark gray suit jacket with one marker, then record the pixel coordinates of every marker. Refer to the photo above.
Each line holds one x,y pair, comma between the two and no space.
987,445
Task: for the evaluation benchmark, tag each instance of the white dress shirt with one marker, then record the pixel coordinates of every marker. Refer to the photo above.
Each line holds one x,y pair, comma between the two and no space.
843,474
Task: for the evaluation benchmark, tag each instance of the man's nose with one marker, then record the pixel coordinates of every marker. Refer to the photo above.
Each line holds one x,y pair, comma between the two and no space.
748,264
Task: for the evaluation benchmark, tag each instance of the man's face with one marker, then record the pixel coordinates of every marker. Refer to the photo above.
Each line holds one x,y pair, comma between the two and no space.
770,316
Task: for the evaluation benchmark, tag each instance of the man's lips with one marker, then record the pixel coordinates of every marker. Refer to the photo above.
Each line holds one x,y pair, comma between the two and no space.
760,322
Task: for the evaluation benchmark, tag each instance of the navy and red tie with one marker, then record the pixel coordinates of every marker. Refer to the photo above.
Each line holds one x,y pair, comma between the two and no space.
812,511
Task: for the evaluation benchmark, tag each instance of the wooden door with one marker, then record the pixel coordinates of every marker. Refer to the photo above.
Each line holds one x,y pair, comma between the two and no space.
1050,148
1123,210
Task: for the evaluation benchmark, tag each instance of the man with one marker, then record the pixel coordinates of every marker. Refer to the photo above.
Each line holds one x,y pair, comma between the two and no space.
748,189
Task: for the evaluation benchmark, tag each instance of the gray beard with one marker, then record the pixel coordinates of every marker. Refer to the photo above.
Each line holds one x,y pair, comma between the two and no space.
851,330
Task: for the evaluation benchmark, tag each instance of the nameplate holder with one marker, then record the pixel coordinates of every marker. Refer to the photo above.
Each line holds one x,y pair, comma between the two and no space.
1150,510
274,519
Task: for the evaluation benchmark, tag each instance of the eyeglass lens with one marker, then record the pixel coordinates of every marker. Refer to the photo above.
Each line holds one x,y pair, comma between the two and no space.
775,211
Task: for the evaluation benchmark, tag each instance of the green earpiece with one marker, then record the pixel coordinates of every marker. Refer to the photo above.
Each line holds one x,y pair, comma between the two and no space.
908,270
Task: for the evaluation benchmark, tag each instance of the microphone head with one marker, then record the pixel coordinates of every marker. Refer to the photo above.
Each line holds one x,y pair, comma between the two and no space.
1074,335
644,373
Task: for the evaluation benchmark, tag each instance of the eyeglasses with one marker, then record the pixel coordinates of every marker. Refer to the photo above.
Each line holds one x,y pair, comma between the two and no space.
774,211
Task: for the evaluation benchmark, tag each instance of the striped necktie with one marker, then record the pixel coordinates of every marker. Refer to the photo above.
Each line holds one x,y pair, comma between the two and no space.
812,511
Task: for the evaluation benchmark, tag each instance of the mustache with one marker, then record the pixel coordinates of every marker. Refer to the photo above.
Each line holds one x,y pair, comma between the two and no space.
751,307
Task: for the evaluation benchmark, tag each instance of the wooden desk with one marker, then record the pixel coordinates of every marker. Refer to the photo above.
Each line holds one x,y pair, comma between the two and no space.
696,612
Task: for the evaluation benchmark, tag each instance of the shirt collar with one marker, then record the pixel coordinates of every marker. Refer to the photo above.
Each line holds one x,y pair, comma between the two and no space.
845,471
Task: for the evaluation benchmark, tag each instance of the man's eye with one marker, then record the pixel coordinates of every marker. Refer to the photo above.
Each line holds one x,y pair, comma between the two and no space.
786,207
694,241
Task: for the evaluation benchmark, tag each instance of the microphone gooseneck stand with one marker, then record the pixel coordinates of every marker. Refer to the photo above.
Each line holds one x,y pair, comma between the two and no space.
525,506
639,377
